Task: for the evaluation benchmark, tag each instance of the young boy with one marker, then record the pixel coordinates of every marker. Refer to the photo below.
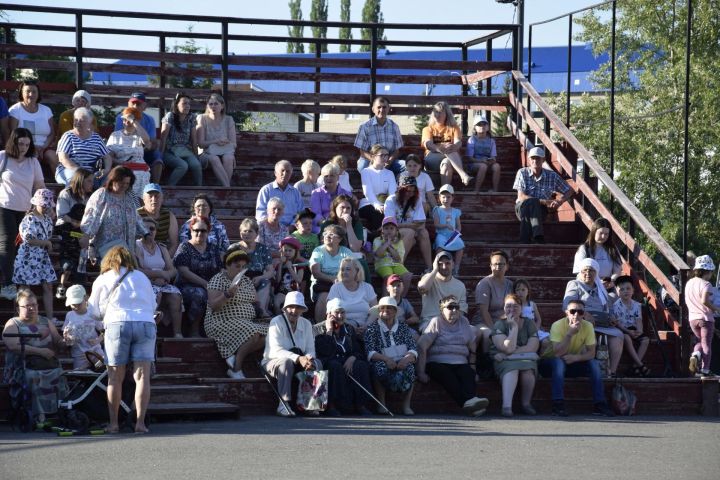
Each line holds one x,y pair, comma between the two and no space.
303,232
310,171
81,328
629,316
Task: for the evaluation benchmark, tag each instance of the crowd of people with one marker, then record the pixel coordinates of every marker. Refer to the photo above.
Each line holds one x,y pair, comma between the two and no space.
313,246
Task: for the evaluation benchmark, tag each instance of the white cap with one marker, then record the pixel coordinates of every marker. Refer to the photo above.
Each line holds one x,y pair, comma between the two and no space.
388,302
74,295
537,152
334,305
294,299
479,118
447,188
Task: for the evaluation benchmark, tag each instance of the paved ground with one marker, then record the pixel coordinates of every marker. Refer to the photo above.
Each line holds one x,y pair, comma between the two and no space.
438,447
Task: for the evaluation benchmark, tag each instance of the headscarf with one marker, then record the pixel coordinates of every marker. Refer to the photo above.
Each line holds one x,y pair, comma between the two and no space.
592,263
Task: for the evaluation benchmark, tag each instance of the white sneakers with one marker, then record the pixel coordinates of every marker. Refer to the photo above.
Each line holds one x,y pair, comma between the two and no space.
475,407
8,292
239,375
694,361
284,412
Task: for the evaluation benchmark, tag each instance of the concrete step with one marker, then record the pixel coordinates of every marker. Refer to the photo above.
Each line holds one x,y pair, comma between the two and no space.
195,409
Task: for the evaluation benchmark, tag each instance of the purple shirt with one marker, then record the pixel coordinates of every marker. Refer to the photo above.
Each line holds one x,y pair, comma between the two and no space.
320,201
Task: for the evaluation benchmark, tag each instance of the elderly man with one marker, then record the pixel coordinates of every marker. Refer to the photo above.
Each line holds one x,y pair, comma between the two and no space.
381,130
167,225
573,355
539,190
289,345
282,189
438,284
153,157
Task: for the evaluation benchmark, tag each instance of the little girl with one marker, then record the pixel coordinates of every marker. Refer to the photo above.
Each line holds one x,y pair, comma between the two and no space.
448,228
32,264
481,150
699,301
389,253
81,328
310,172
414,168
521,288
290,271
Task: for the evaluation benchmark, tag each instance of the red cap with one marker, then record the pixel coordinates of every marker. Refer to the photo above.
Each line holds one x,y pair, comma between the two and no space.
393,278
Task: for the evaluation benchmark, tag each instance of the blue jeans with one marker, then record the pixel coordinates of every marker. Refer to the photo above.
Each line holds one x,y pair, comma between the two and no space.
179,159
397,167
130,342
559,370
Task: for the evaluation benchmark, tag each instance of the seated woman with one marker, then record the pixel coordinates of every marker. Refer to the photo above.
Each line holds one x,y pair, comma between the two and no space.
155,262
82,148
43,373
216,138
197,261
514,351
203,207
392,355
231,311
447,354
127,148
442,141
407,208
178,142
588,288
38,118
342,355
325,265
378,183
321,198
599,246
260,266
271,230
356,295
344,214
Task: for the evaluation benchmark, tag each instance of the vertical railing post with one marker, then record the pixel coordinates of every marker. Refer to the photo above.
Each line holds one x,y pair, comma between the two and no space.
7,73
78,51
569,71
224,59
162,81
488,82
316,116
612,93
529,72
465,90
373,64
516,88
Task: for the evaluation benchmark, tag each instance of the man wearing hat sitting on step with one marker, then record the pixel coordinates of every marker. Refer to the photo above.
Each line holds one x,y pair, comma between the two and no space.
539,190
289,346
153,157
438,284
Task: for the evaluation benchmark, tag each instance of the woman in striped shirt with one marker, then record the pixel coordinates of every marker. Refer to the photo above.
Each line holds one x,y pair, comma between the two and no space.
81,147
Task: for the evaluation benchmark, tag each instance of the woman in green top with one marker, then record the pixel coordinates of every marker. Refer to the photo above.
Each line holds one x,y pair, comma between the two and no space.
514,351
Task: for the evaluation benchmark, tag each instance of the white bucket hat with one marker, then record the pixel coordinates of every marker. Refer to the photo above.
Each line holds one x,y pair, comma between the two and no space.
294,299
704,262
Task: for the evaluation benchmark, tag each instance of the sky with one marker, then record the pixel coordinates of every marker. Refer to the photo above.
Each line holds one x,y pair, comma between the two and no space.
394,11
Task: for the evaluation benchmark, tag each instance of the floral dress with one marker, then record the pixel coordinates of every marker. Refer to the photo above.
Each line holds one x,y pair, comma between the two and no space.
204,265
217,234
232,325
377,339
271,238
32,264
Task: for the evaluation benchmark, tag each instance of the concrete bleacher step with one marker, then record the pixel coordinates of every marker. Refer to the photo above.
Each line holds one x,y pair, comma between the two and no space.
198,410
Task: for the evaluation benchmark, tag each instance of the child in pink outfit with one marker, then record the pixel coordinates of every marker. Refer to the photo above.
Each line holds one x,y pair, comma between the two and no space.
699,301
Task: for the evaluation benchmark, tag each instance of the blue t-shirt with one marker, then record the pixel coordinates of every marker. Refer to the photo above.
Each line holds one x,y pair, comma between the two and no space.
146,121
3,109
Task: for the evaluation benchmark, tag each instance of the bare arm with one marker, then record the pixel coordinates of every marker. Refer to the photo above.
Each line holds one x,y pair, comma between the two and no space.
190,277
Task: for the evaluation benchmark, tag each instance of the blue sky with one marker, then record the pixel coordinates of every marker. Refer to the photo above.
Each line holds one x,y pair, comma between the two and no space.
394,11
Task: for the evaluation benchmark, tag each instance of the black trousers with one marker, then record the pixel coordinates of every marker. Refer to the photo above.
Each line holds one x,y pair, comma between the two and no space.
9,223
457,379
343,393
531,215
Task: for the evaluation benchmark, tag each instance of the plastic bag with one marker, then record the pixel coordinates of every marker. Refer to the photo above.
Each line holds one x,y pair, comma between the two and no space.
623,400
312,391
602,355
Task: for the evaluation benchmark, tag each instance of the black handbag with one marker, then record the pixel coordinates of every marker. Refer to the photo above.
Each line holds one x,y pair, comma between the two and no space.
38,362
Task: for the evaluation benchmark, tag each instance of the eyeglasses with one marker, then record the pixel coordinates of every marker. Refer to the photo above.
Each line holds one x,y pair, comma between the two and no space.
331,235
578,311
199,230
452,307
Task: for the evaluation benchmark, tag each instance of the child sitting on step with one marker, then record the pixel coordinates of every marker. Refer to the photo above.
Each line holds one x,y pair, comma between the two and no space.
628,313
389,253
310,172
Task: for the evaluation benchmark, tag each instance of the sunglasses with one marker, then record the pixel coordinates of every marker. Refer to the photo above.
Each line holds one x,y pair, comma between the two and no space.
453,306
579,311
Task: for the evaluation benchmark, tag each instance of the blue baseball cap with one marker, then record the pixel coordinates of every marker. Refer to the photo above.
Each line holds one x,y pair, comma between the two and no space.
152,187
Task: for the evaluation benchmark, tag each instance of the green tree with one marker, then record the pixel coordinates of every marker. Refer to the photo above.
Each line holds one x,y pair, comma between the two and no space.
650,78
371,14
319,13
187,80
345,32
295,30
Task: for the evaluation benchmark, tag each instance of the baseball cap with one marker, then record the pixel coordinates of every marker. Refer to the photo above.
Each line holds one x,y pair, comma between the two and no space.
392,279
152,187
138,96
447,188
74,295
537,152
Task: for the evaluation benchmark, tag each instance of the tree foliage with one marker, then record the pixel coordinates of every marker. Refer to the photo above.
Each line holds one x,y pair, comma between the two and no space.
345,32
295,30
372,13
319,13
187,80
650,80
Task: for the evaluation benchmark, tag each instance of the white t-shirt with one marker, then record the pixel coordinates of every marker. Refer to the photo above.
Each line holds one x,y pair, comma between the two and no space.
424,185
607,266
18,178
357,303
414,214
36,122
377,185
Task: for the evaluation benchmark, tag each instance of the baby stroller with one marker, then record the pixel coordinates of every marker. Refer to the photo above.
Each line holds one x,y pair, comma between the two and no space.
85,407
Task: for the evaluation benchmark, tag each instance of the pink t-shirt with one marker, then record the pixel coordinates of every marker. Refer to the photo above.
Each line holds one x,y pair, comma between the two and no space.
694,292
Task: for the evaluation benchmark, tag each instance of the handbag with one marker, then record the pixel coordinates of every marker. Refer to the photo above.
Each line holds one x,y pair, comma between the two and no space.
602,319
38,362
312,390
623,401
602,354
295,349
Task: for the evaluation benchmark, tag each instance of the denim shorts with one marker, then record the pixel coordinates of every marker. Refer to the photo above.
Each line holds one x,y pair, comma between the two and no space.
130,342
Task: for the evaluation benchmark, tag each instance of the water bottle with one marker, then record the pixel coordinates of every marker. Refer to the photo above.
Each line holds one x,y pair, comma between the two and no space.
82,261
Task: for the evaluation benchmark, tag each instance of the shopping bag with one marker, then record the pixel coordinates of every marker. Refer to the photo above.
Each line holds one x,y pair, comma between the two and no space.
623,400
602,355
312,391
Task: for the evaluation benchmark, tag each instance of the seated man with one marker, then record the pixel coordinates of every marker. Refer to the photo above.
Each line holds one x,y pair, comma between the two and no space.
573,355
282,189
167,225
538,189
153,157
383,131
438,284
289,345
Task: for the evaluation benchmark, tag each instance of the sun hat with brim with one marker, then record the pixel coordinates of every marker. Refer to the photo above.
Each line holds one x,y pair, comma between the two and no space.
387,302
704,262
294,299
43,198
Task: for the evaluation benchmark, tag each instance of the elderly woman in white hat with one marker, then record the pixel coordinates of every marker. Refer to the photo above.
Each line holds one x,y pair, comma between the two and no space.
342,355
589,288
392,354
289,346
701,309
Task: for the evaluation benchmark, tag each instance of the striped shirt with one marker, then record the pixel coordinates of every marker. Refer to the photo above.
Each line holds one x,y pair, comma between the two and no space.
162,235
84,152
542,187
387,135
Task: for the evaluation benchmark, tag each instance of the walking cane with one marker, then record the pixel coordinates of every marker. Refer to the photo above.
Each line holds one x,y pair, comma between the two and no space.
277,394
369,394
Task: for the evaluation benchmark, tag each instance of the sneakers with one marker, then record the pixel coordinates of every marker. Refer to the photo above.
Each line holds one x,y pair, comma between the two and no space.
8,292
601,409
239,375
705,374
558,409
284,412
230,361
60,294
475,404
693,367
